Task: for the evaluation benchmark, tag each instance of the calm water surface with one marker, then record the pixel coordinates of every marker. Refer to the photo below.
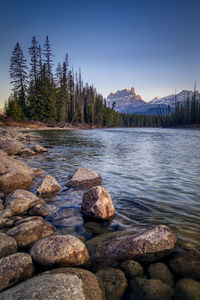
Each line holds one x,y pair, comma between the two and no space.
152,175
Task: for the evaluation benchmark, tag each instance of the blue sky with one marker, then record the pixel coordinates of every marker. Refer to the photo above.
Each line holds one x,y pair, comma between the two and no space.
151,45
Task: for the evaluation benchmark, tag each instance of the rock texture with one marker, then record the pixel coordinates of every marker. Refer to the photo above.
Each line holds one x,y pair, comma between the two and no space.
48,287
20,201
28,231
83,177
97,203
14,174
26,152
49,185
60,250
149,246
132,268
143,289
42,209
39,149
114,282
187,289
15,268
161,271
8,245
12,147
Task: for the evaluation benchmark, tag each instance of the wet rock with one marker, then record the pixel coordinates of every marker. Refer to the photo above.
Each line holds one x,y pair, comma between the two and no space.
97,203
20,201
42,209
28,231
32,137
60,250
93,289
149,246
48,286
39,149
11,147
15,268
98,227
1,205
8,245
132,268
161,271
37,172
68,217
186,264
83,177
114,282
14,174
187,289
153,289
26,152
49,185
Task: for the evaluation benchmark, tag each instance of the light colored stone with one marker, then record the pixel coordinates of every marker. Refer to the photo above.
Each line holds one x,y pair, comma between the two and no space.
26,152
97,203
20,201
49,185
15,268
12,147
84,177
8,245
28,231
39,149
60,250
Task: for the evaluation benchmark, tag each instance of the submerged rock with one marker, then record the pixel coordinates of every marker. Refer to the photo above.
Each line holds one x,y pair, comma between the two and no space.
153,289
15,268
187,289
42,209
60,250
8,245
39,149
114,282
11,147
49,185
132,268
20,201
83,177
28,231
161,271
14,174
149,246
97,203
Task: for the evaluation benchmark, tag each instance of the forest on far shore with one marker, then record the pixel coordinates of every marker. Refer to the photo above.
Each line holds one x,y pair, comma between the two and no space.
60,97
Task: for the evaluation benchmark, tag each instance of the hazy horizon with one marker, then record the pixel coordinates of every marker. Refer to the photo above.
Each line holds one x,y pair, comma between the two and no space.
152,46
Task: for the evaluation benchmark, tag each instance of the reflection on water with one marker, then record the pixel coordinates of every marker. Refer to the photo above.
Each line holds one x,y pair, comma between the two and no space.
153,175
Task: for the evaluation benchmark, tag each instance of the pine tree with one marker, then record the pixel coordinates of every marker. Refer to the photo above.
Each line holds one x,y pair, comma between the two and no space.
18,75
48,58
35,59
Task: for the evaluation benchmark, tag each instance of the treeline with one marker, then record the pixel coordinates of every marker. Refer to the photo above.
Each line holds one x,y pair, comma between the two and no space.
59,97
53,97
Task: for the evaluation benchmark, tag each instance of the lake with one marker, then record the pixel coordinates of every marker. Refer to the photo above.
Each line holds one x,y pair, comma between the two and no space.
152,175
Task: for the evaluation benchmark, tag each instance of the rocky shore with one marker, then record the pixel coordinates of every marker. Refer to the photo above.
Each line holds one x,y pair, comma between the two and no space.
37,261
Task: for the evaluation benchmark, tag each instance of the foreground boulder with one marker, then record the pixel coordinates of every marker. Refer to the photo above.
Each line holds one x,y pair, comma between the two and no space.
28,231
114,282
39,149
153,289
20,201
60,250
83,177
8,245
14,174
12,147
187,289
49,185
149,246
15,268
97,203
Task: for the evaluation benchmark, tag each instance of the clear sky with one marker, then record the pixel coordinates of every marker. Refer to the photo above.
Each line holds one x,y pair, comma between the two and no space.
151,45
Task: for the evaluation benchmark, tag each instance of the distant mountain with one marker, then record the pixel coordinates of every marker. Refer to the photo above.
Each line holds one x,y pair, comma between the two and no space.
126,101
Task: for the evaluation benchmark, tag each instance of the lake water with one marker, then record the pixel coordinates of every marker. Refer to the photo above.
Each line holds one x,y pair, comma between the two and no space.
152,175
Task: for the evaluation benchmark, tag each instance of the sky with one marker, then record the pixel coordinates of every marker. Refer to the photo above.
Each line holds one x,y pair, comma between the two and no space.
151,45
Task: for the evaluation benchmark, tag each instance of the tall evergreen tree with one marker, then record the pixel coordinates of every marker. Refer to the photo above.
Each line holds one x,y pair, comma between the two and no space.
35,59
48,58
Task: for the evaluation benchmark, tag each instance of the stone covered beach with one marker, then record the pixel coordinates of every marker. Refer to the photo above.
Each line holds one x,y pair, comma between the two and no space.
37,261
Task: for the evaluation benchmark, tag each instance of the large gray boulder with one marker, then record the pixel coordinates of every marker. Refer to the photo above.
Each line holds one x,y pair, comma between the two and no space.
97,203
28,231
149,246
8,245
84,177
12,147
49,185
14,174
60,250
15,268
21,201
